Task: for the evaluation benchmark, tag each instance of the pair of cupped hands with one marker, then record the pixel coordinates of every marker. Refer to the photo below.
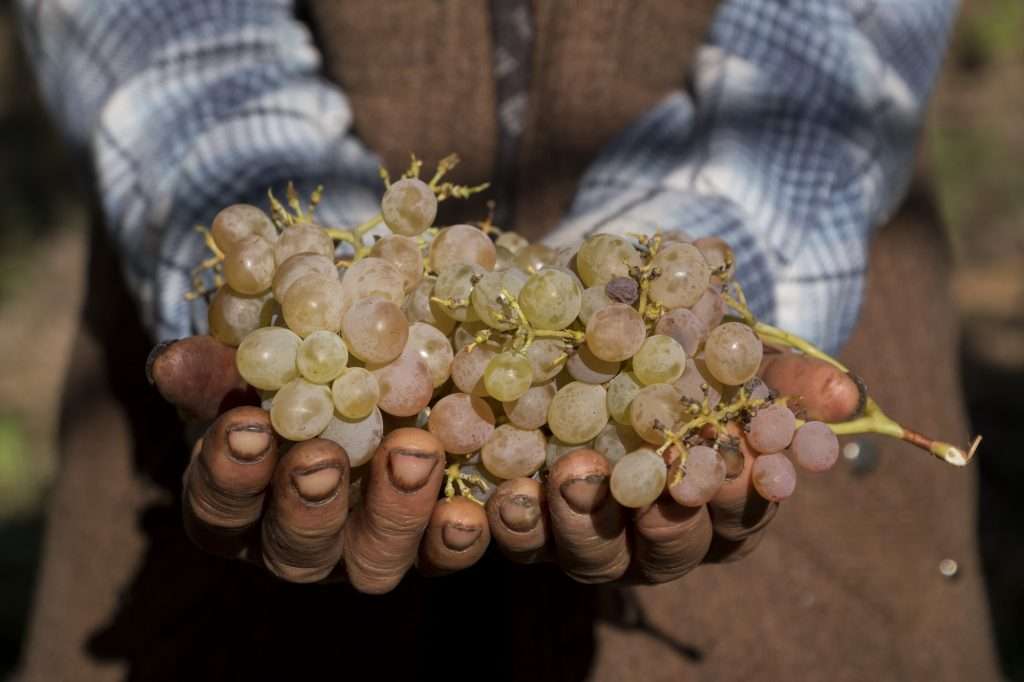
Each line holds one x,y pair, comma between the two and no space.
247,498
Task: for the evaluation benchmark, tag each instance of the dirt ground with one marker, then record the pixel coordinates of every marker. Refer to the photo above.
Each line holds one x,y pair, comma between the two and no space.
974,149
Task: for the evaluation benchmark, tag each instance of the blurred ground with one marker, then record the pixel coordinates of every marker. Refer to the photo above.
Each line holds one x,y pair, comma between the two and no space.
974,150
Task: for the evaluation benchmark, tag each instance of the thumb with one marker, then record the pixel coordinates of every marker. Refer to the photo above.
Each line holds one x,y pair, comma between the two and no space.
821,391
198,375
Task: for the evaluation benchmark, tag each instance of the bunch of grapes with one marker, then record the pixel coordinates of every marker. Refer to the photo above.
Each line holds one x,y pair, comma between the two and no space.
514,354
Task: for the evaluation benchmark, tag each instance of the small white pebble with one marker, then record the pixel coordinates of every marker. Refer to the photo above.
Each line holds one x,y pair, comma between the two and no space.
948,568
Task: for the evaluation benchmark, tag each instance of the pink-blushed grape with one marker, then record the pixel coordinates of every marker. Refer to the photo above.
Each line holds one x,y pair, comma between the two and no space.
771,429
703,474
815,447
463,423
773,476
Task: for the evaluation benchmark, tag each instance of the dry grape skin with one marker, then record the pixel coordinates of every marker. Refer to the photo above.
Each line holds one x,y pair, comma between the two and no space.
249,266
684,275
508,376
512,452
313,303
578,412
815,447
302,238
355,393
409,207
266,358
638,478
375,330
301,410
238,221
733,353
463,423
322,357
296,267
358,437
616,332
403,253
462,244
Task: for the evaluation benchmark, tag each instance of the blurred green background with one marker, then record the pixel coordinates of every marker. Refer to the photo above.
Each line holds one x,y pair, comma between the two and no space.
974,152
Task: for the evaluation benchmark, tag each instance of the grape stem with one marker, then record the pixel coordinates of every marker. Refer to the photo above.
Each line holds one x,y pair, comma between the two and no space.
872,419
456,479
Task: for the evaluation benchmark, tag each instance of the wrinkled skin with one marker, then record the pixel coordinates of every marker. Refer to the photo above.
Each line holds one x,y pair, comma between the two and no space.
246,499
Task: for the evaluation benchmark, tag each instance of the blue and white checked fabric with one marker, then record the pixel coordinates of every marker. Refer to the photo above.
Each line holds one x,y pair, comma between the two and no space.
797,141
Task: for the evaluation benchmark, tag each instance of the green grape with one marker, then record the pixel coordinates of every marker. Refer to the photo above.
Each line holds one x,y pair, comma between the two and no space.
486,297
375,330
535,258
547,358
550,299
508,376
604,257
409,207
303,238
239,221
684,275
313,302
638,479
434,348
733,353
583,366
298,265
266,358
578,412
511,241
358,437
593,299
355,393
372,276
462,244
654,409
322,357
249,266
404,253
232,316
616,440
621,391
616,332
455,285
419,308
301,410
661,360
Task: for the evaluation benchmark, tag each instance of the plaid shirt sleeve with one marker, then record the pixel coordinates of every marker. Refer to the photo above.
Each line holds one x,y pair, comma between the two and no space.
187,106
798,140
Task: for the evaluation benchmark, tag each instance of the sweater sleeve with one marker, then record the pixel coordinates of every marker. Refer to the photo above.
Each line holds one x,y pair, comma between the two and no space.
184,107
798,139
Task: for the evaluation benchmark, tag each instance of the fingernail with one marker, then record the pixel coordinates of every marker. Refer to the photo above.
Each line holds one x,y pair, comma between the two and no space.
318,484
458,536
520,513
585,494
157,351
410,469
248,443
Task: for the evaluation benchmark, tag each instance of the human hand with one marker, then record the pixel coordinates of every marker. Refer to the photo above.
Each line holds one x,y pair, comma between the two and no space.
243,499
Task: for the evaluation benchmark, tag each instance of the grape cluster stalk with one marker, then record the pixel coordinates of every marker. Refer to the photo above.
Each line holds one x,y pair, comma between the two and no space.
513,354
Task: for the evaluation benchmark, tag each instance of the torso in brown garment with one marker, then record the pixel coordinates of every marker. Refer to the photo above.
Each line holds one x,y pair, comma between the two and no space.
419,75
